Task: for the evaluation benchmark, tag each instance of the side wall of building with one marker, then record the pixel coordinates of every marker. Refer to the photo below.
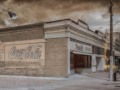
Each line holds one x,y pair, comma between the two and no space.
20,50
56,57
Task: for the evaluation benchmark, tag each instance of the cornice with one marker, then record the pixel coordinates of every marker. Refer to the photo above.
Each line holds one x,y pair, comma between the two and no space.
87,36
69,24
72,34
56,24
84,38
22,27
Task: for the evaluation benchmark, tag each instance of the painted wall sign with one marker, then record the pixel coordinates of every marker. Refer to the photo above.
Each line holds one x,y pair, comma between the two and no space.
23,54
25,51
80,47
29,52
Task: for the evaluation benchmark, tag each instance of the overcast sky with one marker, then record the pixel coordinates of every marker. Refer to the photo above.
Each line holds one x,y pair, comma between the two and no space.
93,12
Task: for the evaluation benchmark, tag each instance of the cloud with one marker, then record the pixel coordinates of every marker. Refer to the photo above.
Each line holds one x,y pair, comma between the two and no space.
94,12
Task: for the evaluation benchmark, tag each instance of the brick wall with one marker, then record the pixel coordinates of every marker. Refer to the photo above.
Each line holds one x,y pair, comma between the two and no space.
56,54
22,34
56,57
16,35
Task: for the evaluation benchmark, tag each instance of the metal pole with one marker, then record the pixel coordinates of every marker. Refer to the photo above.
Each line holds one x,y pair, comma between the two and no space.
111,41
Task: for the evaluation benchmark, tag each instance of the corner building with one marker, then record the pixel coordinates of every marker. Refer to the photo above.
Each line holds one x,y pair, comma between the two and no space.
57,48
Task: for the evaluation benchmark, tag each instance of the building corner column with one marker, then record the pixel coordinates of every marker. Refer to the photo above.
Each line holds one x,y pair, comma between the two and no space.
94,63
68,55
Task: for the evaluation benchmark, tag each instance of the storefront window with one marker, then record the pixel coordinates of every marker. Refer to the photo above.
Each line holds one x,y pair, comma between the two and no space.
98,50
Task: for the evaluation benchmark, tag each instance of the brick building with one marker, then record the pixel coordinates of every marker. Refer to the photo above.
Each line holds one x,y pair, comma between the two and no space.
57,48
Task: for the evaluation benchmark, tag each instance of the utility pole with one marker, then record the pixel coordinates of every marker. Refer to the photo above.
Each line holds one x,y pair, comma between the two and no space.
111,40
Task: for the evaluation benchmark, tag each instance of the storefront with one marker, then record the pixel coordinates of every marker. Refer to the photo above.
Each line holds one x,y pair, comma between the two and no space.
80,56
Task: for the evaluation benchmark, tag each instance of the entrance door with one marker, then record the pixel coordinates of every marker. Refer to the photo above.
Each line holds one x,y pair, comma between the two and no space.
80,62
98,64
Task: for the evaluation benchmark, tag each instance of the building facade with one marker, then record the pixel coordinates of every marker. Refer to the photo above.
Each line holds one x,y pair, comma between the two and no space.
116,46
57,48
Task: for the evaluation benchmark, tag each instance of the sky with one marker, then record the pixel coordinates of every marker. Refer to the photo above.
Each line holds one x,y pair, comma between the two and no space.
94,12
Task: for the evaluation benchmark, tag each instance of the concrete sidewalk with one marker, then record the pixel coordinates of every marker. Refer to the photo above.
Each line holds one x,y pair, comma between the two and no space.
100,75
74,82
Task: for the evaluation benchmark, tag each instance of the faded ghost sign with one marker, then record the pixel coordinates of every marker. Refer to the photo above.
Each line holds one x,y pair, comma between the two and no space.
29,52
80,47
23,54
25,51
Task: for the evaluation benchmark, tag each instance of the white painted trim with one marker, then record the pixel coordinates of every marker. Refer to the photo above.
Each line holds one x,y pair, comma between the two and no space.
56,24
76,36
75,52
68,56
84,38
57,35
99,55
26,41
60,33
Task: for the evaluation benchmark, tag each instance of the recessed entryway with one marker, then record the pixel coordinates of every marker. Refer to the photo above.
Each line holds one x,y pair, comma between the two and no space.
80,63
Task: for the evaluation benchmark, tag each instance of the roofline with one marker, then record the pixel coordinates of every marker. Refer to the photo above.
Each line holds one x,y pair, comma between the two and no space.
34,25
21,27
38,24
83,22
69,20
58,20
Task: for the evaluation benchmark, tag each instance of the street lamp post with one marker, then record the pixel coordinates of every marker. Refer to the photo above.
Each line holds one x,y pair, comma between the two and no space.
111,41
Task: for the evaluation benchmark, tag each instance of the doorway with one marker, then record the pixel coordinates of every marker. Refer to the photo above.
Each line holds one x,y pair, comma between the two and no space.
98,64
80,63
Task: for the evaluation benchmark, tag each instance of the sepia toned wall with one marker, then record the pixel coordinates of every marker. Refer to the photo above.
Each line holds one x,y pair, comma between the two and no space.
22,50
56,57
19,33
38,57
25,51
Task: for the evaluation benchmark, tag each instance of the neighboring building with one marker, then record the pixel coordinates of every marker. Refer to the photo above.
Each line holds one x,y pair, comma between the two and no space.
116,45
56,48
117,48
